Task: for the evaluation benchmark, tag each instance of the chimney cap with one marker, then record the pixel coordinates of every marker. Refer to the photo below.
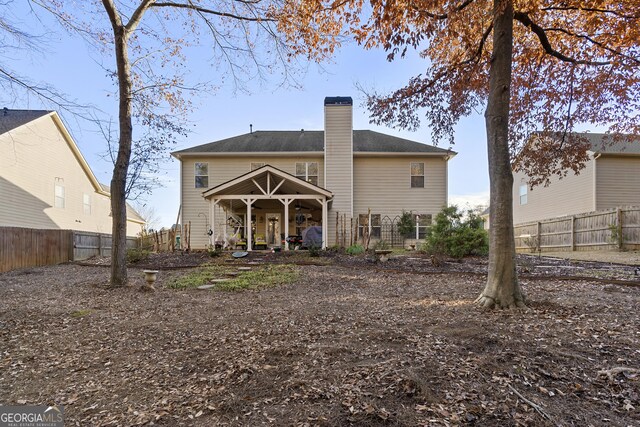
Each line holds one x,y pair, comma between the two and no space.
338,100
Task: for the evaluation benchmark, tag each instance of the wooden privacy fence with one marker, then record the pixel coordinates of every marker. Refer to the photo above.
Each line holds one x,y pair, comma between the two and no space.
607,229
27,247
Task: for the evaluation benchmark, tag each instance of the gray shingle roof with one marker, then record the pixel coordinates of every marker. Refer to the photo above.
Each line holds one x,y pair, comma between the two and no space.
608,144
310,141
11,119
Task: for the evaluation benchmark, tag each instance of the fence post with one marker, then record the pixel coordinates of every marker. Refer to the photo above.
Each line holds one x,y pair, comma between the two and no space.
539,238
619,227
417,227
573,231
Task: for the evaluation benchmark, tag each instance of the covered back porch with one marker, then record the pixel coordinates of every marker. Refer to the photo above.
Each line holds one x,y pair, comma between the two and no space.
264,207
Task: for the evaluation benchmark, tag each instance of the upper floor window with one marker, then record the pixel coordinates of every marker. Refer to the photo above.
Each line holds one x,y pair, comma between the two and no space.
307,171
417,175
59,194
256,165
202,175
86,204
523,194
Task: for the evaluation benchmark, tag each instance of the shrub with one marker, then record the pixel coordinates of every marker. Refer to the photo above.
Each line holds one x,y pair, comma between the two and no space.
456,234
381,245
406,224
355,249
314,250
214,251
135,255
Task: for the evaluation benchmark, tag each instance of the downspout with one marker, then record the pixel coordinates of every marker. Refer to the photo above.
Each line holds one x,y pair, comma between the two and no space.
595,181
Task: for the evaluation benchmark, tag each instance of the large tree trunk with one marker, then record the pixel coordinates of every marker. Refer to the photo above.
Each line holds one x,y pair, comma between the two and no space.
502,289
121,167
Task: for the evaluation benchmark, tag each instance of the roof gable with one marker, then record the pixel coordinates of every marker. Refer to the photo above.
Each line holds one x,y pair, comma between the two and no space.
266,181
12,119
303,141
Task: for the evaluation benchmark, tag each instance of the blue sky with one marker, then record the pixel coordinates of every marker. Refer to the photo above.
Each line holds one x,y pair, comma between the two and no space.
68,64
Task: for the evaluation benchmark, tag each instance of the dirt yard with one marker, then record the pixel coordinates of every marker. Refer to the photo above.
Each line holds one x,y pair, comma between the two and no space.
350,342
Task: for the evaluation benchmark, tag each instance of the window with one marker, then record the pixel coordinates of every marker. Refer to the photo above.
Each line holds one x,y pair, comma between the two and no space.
417,175
202,175
256,165
363,225
307,171
86,204
59,195
523,194
424,221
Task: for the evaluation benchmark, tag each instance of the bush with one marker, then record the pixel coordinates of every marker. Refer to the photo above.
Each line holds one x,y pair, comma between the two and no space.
456,234
406,225
381,245
135,255
314,250
214,251
355,249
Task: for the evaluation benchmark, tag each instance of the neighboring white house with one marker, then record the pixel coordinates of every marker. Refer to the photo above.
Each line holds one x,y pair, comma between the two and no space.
611,178
45,182
333,179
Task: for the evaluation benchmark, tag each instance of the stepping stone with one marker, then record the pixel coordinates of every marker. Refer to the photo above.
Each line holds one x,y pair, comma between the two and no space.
244,268
219,280
232,273
205,287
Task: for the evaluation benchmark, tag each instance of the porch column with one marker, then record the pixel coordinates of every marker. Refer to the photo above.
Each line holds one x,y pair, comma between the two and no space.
325,222
212,214
249,202
286,202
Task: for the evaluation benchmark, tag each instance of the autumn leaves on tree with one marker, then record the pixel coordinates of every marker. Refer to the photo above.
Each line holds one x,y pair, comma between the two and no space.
531,66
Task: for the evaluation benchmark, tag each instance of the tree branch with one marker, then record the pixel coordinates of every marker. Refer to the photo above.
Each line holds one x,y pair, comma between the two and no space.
594,42
211,11
589,9
442,15
546,44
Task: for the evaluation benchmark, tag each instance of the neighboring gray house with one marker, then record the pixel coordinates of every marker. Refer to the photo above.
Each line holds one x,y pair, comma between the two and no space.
45,182
300,178
610,178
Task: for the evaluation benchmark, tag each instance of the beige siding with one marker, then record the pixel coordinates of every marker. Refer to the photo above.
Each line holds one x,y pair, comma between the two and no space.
339,161
32,158
222,169
383,184
572,194
617,182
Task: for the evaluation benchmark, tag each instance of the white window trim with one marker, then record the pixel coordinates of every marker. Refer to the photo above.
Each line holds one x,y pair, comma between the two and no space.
306,172
86,204
525,195
424,175
196,175
63,197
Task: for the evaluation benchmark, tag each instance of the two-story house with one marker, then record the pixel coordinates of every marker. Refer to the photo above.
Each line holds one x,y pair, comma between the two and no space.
285,181
45,182
611,178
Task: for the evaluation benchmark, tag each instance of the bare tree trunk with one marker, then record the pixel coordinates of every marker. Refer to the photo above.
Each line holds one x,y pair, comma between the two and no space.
502,289
119,178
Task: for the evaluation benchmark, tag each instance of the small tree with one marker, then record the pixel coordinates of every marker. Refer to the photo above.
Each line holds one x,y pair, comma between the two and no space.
456,234
406,224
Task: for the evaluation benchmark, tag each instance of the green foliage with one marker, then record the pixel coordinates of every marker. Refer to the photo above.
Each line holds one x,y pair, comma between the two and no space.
314,250
381,245
616,237
270,275
214,251
406,225
456,234
355,249
81,313
135,255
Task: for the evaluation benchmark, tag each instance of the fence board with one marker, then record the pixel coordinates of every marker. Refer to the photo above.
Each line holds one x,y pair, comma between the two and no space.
26,247
589,231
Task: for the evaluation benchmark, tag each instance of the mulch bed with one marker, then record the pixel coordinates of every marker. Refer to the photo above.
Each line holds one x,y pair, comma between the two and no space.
352,342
